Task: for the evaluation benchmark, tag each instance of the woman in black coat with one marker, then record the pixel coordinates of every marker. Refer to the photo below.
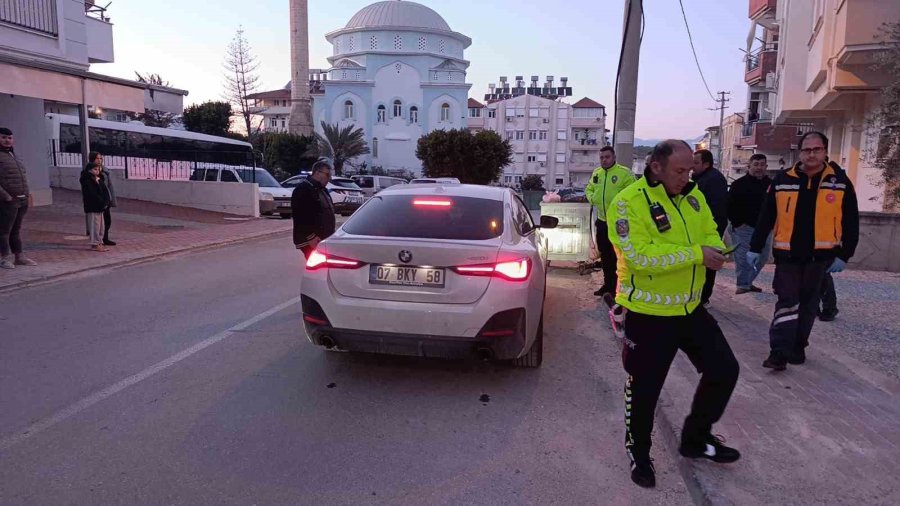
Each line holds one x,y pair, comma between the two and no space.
95,197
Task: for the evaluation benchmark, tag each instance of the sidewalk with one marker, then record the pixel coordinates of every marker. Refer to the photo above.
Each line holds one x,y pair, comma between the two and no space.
822,433
55,237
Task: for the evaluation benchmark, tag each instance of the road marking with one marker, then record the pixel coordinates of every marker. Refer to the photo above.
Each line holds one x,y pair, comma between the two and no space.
83,404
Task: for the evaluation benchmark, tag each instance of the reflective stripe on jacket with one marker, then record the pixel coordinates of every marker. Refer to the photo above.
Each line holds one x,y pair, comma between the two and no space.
661,272
605,184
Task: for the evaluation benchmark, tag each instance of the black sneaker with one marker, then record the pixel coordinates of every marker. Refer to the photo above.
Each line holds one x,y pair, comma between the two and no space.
797,358
828,316
711,448
775,362
756,289
643,474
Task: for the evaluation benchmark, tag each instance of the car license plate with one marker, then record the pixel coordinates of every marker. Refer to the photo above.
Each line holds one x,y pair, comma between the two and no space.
406,276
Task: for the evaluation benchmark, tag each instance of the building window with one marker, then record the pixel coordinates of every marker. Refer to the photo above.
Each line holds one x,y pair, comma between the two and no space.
532,158
542,135
413,114
532,135
273,123
398,42
398,109
560,135
449,77
337,46
474,112
373,42
509,135
348,110
423,43
561,157
533,112
492,113
443,46
382,114
445,112
343,75
282,122
520,135
375,147
520,113
350,46
559,181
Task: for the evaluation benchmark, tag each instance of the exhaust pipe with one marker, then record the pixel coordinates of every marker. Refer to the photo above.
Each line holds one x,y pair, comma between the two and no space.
327,342
485,354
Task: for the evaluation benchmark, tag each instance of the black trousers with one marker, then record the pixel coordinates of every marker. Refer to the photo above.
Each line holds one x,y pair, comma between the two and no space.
607,258
829,296
650,346
11,216
799,288
107,220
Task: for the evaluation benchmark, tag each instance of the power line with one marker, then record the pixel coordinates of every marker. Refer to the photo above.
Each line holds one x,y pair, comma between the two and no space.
697,60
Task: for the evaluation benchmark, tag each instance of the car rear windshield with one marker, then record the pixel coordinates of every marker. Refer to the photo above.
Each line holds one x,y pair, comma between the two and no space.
345,183
428,217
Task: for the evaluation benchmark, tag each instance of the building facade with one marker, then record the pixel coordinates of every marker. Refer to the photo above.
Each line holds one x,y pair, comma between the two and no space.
557,141
822,77
398,71
735,159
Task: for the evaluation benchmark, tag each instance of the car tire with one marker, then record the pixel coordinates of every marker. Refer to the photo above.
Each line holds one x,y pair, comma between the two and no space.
535,355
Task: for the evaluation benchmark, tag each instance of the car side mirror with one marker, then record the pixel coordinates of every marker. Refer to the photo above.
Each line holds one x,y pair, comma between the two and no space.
549,221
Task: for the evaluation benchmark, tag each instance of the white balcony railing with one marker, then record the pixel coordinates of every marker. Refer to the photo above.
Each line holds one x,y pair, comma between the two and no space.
37,15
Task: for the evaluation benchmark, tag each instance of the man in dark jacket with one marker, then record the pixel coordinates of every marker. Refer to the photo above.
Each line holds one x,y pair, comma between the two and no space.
745,199
14,202
312,208
813,210
714,187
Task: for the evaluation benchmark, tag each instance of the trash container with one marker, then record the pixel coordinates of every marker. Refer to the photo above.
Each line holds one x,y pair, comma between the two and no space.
571,240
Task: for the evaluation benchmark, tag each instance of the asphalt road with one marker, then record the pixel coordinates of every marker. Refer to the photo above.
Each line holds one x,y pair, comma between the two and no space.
190,381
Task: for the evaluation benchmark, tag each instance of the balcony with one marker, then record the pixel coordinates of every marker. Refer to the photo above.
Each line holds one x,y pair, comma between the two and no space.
758,8
36,15
99,39
759,63
767,138
585,145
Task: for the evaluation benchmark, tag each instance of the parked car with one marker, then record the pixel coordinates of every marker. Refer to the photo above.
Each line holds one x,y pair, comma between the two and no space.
432,180
273,198
432,271
374,184
345,194
572,195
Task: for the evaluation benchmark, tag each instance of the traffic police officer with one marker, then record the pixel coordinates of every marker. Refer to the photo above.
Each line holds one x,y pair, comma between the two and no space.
665,236
606,182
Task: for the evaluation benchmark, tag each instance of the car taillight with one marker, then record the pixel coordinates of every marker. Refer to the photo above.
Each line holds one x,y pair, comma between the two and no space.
432,203
318,260
517,270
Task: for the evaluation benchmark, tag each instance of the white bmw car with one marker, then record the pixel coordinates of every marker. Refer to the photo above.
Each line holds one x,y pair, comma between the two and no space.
432,271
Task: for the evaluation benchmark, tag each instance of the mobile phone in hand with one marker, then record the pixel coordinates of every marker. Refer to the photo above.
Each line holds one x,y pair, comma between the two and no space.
729,250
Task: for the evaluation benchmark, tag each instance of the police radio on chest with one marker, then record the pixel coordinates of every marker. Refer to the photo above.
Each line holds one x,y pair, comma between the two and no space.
660,218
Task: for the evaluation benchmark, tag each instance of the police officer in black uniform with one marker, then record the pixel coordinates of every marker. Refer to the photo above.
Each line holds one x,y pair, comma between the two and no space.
312,208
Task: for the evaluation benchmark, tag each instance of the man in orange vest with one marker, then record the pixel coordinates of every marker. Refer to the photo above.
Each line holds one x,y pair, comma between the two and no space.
813,210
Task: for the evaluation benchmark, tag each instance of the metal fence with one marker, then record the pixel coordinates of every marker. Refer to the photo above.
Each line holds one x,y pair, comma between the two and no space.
37,15
145,168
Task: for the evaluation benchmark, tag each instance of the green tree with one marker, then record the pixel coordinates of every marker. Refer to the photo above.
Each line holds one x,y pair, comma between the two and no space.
241,77
886,120
339,145
474,159
533,182
284,154
213,118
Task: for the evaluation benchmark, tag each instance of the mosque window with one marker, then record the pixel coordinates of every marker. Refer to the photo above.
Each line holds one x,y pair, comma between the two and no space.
348,110
398,67
350,44
398,109
445,112
343,74
382,114
373,42
413,114
423,43
337,46
443,46
398,42
375,147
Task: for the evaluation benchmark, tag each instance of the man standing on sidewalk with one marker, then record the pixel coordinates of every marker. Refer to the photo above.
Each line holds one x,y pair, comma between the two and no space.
812,208
664,235
14,202
312,208
714,187
745,199
606,182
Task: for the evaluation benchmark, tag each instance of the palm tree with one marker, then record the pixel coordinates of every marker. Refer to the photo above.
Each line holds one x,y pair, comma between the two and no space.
339,144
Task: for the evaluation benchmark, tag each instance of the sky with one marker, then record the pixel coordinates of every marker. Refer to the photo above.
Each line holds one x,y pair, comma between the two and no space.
185,42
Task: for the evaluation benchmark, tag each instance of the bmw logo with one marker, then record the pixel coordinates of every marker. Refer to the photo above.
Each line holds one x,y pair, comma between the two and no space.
405,256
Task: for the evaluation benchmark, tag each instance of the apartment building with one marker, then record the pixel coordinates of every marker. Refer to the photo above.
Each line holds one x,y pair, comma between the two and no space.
822,77
272,109
558,141
46,50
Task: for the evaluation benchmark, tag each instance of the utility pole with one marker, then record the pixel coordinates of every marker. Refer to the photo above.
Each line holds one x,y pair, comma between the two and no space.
721,108
626,98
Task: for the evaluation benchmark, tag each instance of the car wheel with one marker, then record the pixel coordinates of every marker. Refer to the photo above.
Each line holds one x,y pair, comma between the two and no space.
535,355
285,216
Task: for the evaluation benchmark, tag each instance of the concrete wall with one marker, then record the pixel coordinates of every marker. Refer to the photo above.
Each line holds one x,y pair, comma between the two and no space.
234,198
25,117
879,243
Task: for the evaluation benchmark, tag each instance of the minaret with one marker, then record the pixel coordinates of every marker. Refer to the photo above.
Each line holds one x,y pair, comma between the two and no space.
301,106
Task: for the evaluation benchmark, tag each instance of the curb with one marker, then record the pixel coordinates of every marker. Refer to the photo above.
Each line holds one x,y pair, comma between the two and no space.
134,261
